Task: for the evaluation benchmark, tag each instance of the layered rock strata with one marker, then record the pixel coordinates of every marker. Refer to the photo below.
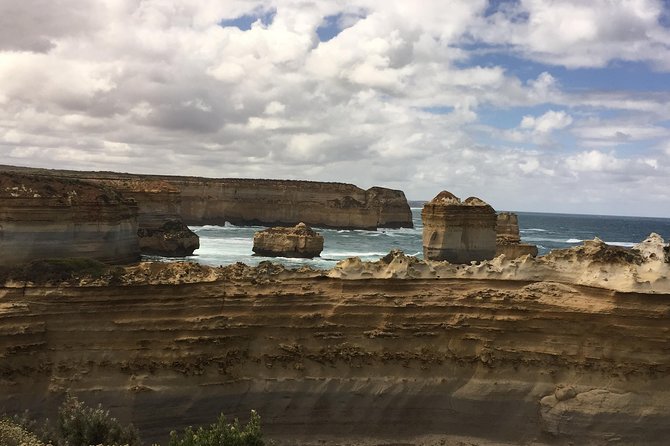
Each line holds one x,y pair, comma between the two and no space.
200,201
298,241
45,217
333,360
161,230
458,231
508,240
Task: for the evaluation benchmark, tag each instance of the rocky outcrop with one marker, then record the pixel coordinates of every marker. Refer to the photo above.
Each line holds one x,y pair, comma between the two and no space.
172,239
508,240
458,231
161,230
200,201
298,241
332,361
46,217
595,263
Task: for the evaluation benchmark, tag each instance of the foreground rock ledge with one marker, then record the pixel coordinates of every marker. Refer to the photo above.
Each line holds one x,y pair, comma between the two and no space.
298,241
501,352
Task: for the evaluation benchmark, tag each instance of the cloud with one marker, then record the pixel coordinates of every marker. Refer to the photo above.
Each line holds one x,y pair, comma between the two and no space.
575,34
396,96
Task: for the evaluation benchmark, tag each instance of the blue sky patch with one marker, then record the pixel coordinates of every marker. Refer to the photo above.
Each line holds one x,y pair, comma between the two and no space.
244,22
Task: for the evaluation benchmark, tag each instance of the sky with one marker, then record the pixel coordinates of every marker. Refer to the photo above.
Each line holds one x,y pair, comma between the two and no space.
531,105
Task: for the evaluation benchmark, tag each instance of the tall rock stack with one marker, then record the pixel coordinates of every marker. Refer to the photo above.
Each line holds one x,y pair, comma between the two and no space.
508,240
458,231
45,217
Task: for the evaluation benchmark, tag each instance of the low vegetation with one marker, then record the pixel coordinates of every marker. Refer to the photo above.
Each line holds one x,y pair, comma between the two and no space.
81,425
56,270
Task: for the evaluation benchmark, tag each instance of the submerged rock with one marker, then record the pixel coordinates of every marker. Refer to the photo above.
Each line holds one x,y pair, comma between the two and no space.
298,241
458,231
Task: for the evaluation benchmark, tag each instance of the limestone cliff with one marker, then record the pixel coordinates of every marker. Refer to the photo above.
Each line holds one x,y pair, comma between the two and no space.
494,356
46,217
199,201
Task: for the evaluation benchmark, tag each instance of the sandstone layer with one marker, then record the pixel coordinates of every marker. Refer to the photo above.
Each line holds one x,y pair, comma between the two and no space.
458,231
161,230
298,241
200,201
402,352
508,239
45,217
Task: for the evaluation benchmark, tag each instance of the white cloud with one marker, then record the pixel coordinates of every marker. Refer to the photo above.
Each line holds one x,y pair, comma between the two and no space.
394,99
548,122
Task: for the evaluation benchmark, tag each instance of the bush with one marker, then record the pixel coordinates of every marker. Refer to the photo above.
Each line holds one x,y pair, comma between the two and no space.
222,434
79,425
13,434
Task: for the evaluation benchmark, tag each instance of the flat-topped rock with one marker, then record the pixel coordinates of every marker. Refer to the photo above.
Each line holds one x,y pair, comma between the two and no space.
298,241
458,231
171,239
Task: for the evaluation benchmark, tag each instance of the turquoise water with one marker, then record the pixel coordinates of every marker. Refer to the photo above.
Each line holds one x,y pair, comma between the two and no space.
223,245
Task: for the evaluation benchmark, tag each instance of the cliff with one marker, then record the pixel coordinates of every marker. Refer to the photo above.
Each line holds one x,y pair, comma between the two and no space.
200,201
44,217
481,354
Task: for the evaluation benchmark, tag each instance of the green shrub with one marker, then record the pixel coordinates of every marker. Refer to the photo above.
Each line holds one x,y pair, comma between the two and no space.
54,270
222,433
13,434
79,425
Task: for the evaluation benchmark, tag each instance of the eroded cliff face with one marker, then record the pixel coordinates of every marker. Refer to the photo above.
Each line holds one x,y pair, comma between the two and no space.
286,203
44,217
200,201
344,359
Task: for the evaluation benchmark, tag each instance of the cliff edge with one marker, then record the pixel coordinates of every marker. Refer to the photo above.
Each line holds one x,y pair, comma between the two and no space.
46,217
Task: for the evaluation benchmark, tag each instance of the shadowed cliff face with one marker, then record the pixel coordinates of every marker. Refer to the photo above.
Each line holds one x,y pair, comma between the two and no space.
42,217
388,359
199,201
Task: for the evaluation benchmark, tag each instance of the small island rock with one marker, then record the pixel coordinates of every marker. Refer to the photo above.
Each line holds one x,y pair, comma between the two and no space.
298,241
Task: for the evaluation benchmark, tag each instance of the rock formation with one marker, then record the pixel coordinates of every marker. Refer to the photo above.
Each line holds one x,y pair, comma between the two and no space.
200,201
458,231
298,241
508,240
161,230
172,239
499,353
45,217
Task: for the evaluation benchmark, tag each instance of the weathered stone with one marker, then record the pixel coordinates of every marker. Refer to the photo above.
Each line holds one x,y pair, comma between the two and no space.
507,228
173,238
298,241
508,240
46,217
458,231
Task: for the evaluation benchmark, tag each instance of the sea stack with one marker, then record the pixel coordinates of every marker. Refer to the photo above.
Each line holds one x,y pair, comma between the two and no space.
298,241
458,231
46,217
508,240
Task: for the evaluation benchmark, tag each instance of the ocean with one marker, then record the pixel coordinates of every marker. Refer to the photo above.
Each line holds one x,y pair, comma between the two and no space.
224,245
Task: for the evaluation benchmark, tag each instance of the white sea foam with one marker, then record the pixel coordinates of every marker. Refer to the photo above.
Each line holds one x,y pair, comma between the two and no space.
573,240
532,230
